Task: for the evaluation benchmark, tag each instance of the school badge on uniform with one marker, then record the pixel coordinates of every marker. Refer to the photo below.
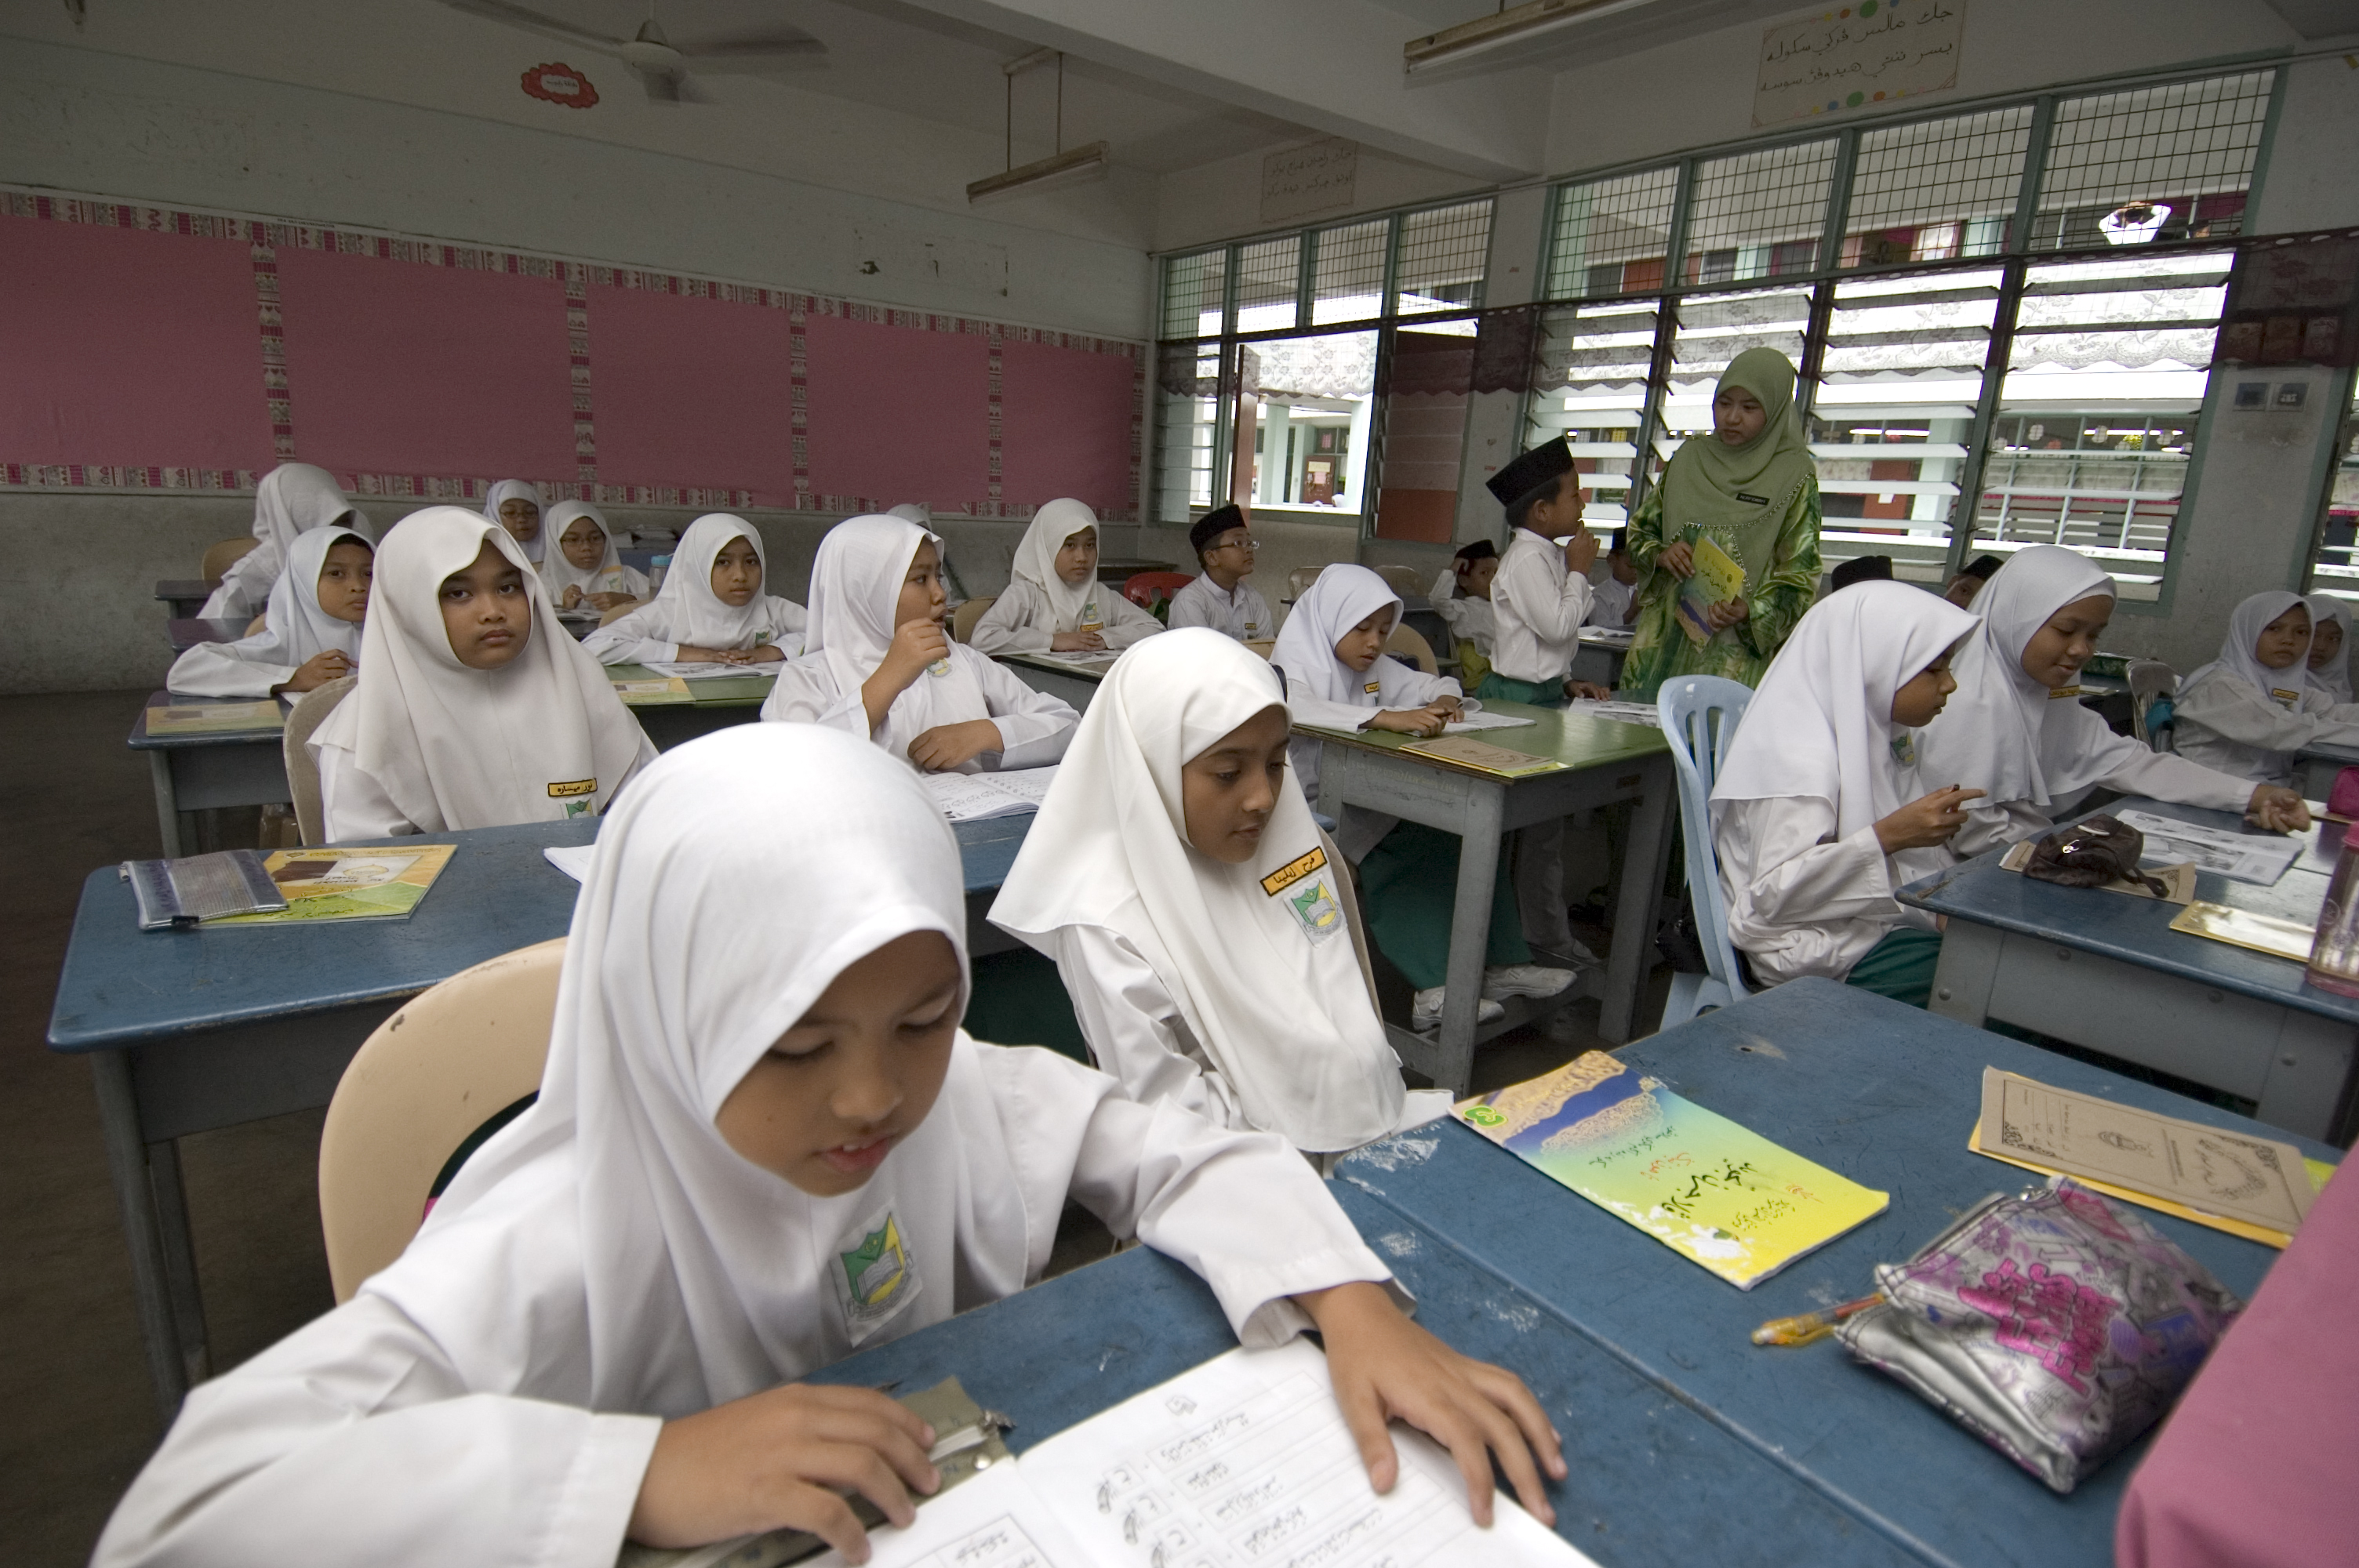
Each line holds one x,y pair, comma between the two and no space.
1310,897
876,1279
580,796
1904,748
1090,621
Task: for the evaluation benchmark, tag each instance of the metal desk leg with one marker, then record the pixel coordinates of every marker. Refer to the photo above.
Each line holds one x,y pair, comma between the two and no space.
168,807
127,1162
1470,936
1966,972
179,1258
1644,863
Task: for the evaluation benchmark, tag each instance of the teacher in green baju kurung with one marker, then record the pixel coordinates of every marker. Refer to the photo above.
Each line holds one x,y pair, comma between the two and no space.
1751,488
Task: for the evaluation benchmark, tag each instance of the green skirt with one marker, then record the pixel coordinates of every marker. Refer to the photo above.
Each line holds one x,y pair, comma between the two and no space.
1899,967
1506,688
1409,884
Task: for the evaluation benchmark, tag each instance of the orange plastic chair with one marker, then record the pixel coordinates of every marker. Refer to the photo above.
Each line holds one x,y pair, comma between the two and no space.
1143,588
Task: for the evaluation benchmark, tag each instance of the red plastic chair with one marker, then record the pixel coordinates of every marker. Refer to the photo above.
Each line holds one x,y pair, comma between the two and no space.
1143,588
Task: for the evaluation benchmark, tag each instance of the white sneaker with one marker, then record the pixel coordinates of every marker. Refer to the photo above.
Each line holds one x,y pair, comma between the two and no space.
1523,979
1425,1013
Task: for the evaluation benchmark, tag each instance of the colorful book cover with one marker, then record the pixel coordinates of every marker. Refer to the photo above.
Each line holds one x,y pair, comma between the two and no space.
654,692
1717,578
375,881
214,717
1714,1192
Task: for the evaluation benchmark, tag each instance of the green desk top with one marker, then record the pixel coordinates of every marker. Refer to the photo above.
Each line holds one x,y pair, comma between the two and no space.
711,691
1061,663
1572,741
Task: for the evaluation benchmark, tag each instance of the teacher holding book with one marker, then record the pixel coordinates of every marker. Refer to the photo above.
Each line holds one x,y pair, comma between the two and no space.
1727,544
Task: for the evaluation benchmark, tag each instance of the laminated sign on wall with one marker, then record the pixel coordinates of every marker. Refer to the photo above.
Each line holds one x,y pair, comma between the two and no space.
1851,57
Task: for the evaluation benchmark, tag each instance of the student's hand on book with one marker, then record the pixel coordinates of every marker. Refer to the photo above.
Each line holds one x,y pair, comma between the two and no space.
601,602
2278,809
1678,559
1588,691
1926,821
573,596
1076,642
1385,1367
946,746
1422,722
1582,553
682,653
1727,613
768,653
780,1458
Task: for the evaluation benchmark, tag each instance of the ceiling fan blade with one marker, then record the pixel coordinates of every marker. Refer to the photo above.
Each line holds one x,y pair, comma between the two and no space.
757,48
532,21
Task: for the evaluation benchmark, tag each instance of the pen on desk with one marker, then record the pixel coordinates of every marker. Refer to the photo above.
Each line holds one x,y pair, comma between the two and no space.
1812,1325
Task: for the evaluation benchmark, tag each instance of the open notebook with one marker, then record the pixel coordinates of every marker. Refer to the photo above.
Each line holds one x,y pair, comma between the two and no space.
973,798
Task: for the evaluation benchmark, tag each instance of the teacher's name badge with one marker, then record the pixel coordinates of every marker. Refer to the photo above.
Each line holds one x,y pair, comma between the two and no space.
1307,895
579,795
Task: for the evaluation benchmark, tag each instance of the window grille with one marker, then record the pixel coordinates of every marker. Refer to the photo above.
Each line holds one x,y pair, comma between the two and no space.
1347,282
2336,570
2169,162
1760,214
1590,388
1443,253
1713,330
1187,414
1612,236
1269,280
1195,289
1936,190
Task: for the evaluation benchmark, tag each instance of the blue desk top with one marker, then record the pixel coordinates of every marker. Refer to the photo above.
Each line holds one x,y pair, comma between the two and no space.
1886,1094
2328,752
2138,930
141,740
183,587
186,632
121,986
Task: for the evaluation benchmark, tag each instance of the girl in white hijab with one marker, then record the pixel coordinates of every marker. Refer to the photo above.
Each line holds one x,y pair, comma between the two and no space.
2250,712
1819,813
748,1097
291,501
1339,678
515,505
2330,645
1055,602
2017,731
598,581
711,608
1193,908
878,662
474,708
310,633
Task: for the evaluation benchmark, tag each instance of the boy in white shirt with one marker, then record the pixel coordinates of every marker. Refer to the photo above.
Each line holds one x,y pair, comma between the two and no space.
1613,604
1221,597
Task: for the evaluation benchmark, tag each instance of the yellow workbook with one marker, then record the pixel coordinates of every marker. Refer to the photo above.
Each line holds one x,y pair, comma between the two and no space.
1717,579
348,881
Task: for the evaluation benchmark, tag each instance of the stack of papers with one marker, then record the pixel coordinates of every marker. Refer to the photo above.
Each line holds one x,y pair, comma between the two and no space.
1473,721
707,671
1619,712
2259,858
977,797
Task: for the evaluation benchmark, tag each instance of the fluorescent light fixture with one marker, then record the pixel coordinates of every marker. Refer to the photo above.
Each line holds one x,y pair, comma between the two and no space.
1452,45
1074,165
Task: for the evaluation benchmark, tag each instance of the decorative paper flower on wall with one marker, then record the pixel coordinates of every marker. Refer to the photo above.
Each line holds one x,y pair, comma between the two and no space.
557,83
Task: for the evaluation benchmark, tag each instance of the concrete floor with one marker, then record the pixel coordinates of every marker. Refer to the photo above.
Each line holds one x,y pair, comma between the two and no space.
79,1417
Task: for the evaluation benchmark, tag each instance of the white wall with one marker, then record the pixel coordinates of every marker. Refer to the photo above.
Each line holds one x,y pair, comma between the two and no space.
1221,201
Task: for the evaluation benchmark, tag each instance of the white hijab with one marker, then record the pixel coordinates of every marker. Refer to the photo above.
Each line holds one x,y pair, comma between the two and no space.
559,573
2237,661
707,1278
295,629
1343,596
520,490
686,610
1821,727
1036,560
913,511
2333,678
456,747
1284,1014
292,500
2003,732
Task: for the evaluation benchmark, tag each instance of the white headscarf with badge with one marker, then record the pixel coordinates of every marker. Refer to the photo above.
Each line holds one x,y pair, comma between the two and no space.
295,629
560,573
2003,732
2238,660
1036,561
519,490
687,611
541,739
1258,956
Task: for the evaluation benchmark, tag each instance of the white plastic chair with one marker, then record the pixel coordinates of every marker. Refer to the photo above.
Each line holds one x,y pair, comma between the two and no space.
1689,707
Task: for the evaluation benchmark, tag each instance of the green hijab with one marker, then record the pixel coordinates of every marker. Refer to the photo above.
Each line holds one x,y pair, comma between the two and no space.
1740,495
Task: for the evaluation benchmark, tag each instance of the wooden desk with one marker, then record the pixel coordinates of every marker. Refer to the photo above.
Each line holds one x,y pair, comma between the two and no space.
1882,1093
1071,684
185,631
183,596
2107,972
197,772
1601,762
187,1030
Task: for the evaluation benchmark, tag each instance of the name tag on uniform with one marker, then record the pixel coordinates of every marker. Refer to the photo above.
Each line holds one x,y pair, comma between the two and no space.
2285,698
1373,687
1089,621
1754,500
1307,894
579,795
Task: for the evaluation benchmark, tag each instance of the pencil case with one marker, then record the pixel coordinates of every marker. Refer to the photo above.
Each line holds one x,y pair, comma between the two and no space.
2055,1325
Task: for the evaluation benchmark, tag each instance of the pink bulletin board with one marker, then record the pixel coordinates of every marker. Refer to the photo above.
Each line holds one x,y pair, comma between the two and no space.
126,347
898,413
401,367
692,392
1065,418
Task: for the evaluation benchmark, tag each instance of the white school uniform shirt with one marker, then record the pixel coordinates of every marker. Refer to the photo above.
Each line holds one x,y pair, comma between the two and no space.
2037,752
606,1261
2333,677
1240,612
1320,689
1540,604
291,500
1816,764
425,744
1039,603
2238,716
1612,603
295,631
609,576
686,612
856,585
1470,619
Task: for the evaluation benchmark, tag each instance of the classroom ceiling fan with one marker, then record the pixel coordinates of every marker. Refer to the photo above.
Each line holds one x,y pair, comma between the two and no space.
666,69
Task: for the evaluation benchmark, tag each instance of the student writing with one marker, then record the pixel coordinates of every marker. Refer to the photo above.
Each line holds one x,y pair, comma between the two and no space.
291,501
1338,677
711,608
756,1078
2017,730
1055,602
880,662
474,708
1220,597
585,572
2249,711
515,505
1818,813
310,633
1196,913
